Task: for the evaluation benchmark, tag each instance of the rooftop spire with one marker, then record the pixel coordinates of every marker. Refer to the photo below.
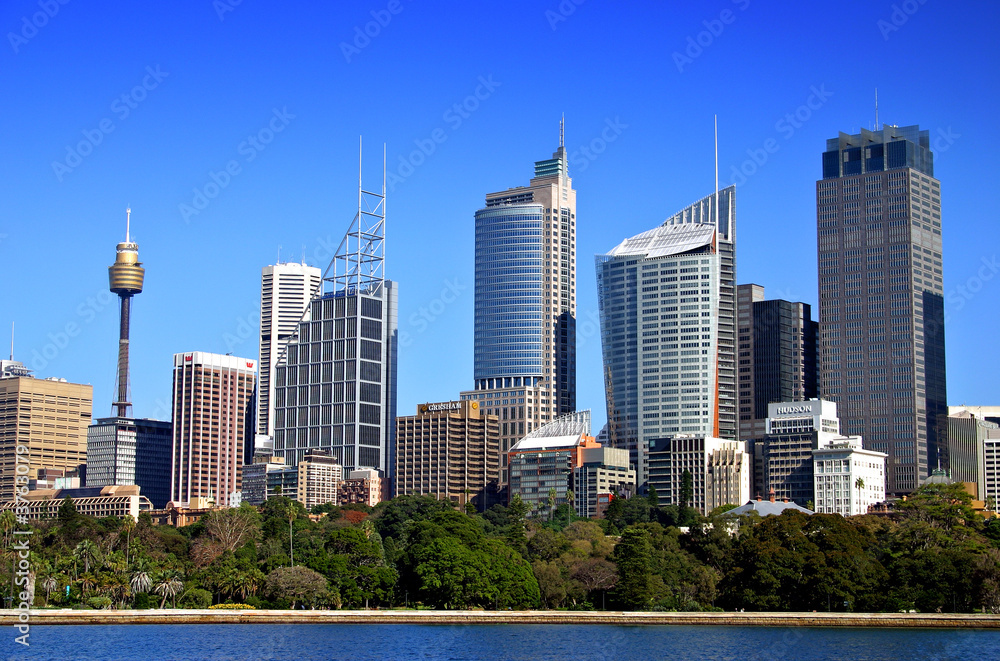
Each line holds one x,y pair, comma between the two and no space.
128,223
562,131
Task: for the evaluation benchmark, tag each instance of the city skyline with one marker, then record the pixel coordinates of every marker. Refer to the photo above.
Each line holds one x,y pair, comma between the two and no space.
187,118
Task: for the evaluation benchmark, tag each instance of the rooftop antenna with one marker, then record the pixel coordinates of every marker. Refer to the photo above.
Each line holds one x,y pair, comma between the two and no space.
876,108
716,173
279,253
128,222
562,131
12,340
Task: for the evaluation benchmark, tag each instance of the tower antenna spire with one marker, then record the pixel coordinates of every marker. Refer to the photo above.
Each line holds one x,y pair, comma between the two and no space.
562,131
876,109
716,173
128,222
12,340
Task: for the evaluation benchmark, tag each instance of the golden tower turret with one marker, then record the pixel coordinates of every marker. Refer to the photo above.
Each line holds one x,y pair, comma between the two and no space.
126,276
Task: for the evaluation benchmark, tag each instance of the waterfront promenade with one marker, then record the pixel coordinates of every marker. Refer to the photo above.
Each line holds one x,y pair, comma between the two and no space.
216,616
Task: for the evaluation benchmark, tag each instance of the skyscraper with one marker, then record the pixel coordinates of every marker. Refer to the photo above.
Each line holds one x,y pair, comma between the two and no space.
881,300
778,357
211,399
668,329
123,451
335,383
285,292
525,309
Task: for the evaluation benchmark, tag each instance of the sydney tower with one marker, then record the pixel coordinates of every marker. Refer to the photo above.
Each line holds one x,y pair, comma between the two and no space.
126,276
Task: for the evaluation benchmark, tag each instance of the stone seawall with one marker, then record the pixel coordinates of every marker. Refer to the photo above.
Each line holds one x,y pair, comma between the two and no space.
181,616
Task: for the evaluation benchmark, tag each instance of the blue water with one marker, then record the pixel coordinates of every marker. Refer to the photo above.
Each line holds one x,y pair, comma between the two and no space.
308,642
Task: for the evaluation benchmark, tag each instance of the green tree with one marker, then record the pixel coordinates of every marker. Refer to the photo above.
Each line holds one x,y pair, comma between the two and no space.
632,555
296,584
687,489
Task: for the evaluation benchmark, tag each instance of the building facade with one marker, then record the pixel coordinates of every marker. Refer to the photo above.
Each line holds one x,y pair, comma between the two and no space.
335,386
793,430
450,450
318,480
211,400
847,478
363,486
48,418
974,452
285,292
778,357
881,296
543,462
668,330
719,471
98,502
525,307
122,451
254,483
603,474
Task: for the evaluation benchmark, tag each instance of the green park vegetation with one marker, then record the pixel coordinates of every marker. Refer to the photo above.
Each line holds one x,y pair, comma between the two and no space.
934,555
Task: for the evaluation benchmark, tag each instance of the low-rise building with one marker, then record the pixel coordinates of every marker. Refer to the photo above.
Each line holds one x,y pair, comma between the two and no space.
364,486
255,487
719,470
974,452
603,474
98,502
847,478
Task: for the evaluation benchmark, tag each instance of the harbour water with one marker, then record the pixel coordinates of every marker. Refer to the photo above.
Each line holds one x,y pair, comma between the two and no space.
305,642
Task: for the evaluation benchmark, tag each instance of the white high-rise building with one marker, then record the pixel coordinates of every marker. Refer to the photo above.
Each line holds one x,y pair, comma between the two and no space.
285,291
668,331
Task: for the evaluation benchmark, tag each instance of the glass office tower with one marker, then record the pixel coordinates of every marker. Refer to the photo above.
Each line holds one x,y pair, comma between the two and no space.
667,302
881,300
525,310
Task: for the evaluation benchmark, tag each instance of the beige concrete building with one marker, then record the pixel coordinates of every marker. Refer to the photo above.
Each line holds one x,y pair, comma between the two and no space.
211,400
46,417
450,450
98,502
319,480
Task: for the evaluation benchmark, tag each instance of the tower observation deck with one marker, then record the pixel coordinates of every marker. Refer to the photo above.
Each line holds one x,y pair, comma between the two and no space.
126,276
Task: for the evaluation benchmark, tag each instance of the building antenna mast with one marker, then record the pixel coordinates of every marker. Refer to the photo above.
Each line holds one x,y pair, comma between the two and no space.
716,173
876,109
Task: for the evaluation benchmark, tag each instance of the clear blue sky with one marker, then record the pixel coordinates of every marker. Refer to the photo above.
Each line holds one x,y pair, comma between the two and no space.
199,80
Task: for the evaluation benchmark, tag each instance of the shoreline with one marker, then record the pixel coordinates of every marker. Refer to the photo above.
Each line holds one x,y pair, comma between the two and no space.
40,617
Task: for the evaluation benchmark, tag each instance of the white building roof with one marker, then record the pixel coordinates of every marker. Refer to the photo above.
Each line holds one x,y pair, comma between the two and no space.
666,240
547,443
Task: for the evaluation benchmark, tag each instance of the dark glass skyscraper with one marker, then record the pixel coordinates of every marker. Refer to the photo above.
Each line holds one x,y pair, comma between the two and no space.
778,359
881,296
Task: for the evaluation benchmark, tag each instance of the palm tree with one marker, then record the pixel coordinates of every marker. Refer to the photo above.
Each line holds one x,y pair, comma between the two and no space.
88,552
128,526
87,583
140,581
168,586
49,584
570,497
551,501
859,484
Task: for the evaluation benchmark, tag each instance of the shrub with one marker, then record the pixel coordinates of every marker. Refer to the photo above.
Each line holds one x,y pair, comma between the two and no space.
196,598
